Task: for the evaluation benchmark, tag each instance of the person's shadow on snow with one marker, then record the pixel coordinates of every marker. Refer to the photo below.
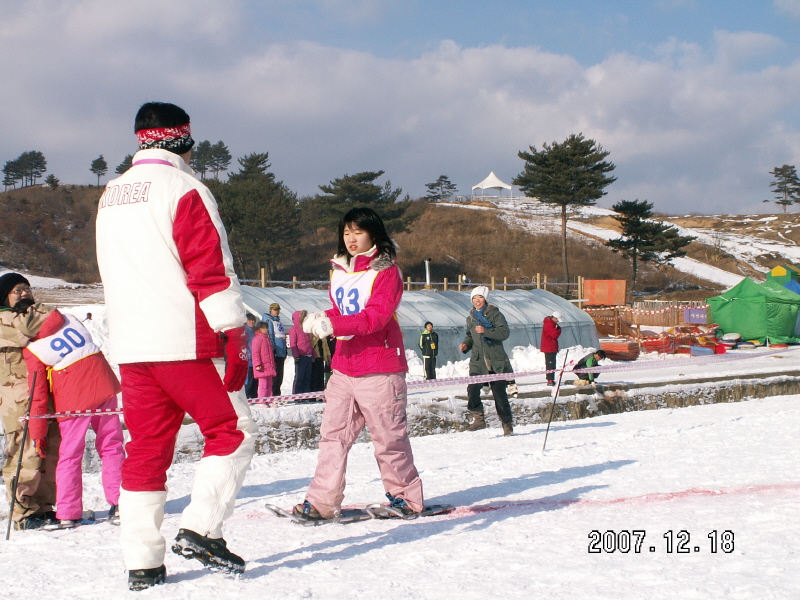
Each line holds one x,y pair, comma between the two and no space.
259,492
475,517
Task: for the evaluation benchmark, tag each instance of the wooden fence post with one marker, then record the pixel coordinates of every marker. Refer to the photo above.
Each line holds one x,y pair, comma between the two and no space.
408,284
445,283
294,282
538,281
505,284
492,281
263,277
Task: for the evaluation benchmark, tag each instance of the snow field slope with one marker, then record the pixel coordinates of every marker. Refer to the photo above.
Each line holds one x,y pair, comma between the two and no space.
752,240
523,525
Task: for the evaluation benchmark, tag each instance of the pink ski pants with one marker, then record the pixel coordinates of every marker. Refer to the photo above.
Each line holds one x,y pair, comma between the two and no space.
264,387
69,472
379,401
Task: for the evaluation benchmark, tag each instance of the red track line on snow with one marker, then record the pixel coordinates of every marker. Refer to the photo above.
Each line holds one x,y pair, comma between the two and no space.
658,497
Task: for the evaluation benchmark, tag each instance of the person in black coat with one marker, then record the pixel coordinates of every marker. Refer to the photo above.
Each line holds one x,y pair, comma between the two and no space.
429,344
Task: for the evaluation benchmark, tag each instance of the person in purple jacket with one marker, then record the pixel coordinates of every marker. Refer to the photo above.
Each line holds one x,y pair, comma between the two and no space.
302,352
368,384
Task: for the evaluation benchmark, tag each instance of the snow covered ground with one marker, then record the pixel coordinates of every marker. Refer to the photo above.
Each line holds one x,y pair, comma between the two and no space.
523,528
524,525
525,519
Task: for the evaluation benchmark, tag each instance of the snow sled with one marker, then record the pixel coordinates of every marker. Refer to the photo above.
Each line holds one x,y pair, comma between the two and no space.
700,350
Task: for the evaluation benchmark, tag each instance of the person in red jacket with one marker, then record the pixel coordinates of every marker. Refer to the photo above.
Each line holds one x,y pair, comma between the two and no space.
80,378
263,360
550,332
368,384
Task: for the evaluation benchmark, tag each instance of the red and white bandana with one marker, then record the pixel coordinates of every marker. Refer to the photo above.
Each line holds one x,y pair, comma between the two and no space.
166,138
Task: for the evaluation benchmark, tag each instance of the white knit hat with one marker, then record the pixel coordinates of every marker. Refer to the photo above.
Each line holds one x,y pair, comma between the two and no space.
557,315
481,290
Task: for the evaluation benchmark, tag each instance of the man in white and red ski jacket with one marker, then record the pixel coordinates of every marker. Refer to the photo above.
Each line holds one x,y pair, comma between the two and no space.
174,304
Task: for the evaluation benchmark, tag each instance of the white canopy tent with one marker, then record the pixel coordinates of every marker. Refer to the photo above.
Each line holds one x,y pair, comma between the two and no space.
492,182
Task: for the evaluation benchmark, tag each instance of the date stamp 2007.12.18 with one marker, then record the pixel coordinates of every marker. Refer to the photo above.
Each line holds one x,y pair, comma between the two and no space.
670,542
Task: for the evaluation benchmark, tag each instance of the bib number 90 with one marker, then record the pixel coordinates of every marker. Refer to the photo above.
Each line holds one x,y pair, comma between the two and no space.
67,342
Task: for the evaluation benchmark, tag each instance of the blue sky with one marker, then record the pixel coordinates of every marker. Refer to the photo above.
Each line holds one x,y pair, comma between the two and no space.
695,100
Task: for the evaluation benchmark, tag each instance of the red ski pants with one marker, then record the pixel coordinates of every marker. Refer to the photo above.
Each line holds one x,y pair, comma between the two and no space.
155,398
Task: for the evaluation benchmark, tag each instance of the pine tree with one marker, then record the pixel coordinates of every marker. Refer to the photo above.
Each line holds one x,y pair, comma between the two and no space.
644,240
440,189
99,167
31,166
220,158
570,174
12,173
52,182
260,215
786,186
124,165
201,158
360,189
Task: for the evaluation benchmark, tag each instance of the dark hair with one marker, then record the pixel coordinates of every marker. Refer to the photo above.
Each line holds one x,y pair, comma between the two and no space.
262,325
367,220
428,323
601,354
250,317
8,281
156,115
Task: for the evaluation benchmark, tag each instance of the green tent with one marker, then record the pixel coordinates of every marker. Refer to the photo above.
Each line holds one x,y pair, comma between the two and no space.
757,312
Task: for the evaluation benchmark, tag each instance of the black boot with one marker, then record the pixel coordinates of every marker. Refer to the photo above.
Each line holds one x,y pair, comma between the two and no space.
141,579
213,553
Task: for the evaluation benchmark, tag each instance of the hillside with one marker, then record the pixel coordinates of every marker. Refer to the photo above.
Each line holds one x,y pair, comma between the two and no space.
51,233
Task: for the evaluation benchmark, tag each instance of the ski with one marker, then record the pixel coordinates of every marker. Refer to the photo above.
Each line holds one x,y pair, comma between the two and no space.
384,511
348,515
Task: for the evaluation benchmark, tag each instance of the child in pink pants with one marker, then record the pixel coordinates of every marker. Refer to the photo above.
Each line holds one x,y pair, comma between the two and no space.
72,368
263,360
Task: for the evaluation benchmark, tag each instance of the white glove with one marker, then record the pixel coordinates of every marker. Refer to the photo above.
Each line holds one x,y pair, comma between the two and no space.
318,324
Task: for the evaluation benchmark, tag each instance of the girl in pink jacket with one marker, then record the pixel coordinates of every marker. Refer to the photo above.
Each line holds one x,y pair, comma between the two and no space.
263,360
368,383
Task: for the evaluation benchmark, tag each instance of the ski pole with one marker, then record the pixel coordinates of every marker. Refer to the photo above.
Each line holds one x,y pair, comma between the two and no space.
15,480
555,397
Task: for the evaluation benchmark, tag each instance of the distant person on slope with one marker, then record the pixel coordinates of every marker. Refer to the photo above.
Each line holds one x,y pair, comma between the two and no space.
263,360
487,329
551,330
174,308
429,344
587,362
277,335
251,383
302,352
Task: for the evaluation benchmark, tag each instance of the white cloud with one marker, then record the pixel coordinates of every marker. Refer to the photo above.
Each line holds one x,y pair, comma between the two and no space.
788,7
688,130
